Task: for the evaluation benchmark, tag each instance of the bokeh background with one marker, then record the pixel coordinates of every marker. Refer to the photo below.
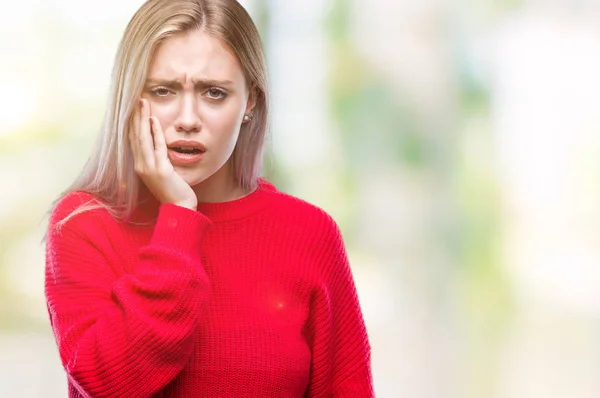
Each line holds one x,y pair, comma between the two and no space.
455,142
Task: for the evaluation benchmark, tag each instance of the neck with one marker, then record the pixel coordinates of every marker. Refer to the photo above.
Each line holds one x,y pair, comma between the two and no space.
219,187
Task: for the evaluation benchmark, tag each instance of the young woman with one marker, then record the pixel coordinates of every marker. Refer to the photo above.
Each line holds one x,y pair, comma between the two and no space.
172,269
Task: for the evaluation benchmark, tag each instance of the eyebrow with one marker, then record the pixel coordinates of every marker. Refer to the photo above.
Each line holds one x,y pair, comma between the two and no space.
197,82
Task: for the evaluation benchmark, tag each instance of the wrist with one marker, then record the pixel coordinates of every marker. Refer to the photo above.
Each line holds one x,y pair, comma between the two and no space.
192,205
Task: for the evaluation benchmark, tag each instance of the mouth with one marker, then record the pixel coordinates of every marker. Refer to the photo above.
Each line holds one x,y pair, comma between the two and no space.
187,147
185,152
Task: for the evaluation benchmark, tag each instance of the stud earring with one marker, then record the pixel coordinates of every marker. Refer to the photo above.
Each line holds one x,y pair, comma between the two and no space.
248,117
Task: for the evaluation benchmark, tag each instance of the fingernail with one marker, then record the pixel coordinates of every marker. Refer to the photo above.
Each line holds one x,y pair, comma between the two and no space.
151,121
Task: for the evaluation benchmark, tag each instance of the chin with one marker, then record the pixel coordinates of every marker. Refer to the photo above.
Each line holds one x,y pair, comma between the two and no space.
192,178
192,182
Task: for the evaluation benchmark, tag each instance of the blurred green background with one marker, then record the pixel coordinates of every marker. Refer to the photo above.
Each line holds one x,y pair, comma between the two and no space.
455,142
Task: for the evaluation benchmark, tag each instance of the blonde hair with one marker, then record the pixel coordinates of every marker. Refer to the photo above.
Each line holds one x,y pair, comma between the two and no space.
109,174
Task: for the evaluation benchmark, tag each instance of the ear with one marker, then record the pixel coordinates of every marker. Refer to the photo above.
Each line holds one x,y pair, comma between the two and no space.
252,99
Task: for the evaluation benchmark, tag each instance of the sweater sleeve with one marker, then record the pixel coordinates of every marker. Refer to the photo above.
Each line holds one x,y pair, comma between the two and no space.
124,335
341,364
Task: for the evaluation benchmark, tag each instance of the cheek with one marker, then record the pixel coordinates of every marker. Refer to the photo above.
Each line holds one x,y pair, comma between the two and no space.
224,120
165,112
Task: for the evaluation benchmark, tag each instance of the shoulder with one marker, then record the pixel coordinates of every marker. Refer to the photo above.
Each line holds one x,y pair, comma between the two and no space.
285,204
77,209
315,234
306,220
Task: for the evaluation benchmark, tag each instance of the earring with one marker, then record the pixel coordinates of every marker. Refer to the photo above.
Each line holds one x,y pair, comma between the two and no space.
248,117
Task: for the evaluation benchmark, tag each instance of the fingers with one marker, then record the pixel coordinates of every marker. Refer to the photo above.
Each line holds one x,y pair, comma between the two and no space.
151,161
160,145
133,131
148,144
144,138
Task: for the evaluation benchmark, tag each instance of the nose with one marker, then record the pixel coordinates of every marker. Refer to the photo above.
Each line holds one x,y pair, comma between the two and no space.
188,118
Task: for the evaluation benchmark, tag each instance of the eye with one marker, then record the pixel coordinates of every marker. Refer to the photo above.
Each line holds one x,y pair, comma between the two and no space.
161,91
216,93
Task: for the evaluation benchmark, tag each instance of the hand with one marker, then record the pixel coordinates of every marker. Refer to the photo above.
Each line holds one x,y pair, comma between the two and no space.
152,164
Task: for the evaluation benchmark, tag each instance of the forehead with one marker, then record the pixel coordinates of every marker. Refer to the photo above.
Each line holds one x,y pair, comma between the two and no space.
195,55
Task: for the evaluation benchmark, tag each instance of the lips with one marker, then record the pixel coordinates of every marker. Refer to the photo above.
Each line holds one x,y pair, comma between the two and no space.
187,146
185,152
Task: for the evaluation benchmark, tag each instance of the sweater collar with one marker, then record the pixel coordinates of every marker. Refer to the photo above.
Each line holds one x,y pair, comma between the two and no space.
218,211
239,208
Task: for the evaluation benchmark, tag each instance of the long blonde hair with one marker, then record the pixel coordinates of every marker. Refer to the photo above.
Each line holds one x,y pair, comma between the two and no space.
109,174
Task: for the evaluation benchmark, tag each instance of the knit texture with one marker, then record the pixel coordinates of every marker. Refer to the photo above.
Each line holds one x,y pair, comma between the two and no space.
249,298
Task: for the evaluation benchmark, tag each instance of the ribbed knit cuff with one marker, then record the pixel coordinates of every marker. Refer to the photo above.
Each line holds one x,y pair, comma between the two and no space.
179,228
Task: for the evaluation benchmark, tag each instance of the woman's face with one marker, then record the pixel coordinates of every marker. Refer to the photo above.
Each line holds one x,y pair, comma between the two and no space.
197,90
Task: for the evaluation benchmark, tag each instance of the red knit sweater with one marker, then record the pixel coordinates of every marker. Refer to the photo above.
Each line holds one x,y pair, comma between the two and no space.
249,298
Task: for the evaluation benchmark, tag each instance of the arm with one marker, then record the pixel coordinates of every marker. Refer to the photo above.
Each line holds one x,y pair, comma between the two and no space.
130,335
341,365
